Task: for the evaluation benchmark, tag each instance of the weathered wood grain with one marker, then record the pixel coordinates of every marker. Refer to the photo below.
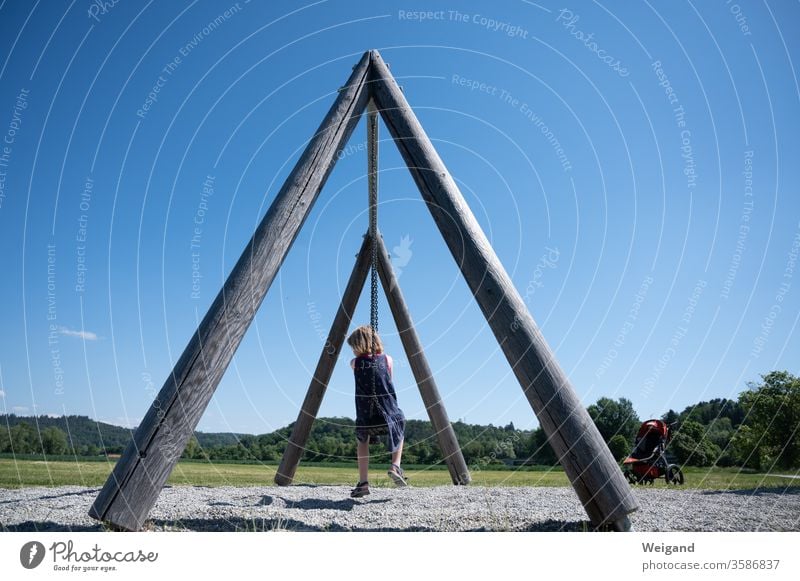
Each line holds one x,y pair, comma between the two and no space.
594,474
144,467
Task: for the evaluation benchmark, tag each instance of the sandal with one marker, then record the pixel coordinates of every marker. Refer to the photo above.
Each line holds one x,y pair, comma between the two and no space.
361,489
397,475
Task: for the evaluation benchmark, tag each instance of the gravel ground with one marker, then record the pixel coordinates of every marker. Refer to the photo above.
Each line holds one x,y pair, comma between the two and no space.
443,508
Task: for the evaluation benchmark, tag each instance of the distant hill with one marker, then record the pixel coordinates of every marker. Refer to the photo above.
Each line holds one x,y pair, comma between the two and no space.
81,431
330,440
85,434
757,431
333,439
216,439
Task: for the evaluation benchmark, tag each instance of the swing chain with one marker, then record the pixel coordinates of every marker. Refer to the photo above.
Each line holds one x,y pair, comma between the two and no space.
372,170
372,141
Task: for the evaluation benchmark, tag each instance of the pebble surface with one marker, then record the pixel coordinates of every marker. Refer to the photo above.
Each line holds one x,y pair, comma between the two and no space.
442,508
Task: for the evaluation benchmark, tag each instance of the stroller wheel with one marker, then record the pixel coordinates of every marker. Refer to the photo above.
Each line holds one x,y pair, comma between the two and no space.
674,475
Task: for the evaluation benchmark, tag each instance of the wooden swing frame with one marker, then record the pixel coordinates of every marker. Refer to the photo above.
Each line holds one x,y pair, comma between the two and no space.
140,474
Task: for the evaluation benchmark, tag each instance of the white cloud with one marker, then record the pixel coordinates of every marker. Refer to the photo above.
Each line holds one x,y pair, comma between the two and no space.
19,409
53,415
2,393
85,335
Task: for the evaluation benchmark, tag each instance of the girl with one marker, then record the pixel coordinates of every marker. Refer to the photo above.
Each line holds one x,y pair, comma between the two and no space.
376,406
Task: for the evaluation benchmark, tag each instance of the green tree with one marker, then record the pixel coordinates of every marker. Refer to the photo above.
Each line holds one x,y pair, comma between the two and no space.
720,418
505,449
328,447
473,451
269,453
690,445
670,417
614,418
5,440
24,440
620,447
706,412
54,441
772,411
746,446
423,451
720,432
540,450
193,449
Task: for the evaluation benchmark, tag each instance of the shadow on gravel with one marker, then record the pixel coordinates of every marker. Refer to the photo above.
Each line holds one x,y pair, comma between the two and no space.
345,504
338,528
51,527
556,526
782,490
51,496
266,525
236,524
269,524
294,525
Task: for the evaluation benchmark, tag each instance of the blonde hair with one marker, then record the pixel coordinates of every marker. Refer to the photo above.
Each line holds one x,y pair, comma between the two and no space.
361,340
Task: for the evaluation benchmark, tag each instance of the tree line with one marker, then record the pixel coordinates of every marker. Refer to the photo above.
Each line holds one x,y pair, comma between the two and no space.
333,440
759,430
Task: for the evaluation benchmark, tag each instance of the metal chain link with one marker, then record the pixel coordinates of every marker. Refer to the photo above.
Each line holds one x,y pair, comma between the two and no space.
372,169
372,152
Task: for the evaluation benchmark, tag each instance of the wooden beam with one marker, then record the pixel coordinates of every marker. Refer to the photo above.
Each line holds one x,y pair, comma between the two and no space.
327,361
448,443
594,474
134,485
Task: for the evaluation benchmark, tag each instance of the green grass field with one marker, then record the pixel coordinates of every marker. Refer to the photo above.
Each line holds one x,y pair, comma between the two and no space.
23,473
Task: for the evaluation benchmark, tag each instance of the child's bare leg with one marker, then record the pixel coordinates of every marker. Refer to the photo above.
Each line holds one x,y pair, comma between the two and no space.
396,455
363,461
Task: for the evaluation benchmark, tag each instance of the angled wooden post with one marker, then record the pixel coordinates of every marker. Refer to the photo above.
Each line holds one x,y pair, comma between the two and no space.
327,361
448,443
138,477
586,459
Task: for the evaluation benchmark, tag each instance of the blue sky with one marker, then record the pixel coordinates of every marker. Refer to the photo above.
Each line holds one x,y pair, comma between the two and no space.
633,165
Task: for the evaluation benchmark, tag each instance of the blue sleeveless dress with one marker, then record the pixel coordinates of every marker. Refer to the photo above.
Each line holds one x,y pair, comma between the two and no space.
377,413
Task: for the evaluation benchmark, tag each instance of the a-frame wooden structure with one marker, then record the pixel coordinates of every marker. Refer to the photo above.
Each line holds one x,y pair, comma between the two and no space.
138,477
381,265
